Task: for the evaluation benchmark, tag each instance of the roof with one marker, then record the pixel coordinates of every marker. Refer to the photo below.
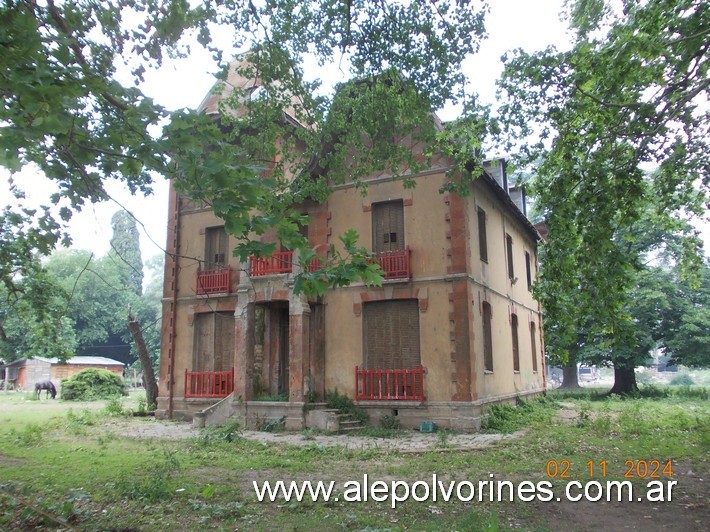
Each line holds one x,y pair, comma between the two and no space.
90,361
504,196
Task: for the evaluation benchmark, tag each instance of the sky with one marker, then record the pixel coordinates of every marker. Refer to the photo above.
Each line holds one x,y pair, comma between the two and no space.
528,24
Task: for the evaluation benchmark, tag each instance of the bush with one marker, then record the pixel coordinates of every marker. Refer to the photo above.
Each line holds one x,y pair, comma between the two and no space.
92,384
682,379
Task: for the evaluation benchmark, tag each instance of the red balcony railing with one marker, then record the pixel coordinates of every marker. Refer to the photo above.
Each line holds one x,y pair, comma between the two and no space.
209,383
214,281
395,264
389,384
279,262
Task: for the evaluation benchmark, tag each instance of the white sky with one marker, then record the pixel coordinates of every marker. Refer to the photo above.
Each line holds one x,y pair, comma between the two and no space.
528,24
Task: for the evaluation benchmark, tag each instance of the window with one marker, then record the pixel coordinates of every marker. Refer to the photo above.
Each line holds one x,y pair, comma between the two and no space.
215,248
487,338
516,350
509,249
391,330
388,226
532,344
482,242
527,269
214,341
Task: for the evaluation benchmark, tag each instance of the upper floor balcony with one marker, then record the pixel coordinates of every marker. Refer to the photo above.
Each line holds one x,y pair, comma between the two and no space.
214,281
279,262
395,264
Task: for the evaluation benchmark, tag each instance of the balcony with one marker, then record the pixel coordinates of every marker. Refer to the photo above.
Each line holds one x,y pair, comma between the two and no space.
395,264
209,384
390,384
216,281
279,262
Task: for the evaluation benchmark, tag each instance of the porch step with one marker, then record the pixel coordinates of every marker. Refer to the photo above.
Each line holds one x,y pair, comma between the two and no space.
347,424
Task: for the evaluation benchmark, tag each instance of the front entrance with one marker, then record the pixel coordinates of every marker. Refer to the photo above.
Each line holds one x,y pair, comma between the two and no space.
271,351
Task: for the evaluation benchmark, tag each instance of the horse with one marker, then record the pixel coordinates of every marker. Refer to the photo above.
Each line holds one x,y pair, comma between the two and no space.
46,385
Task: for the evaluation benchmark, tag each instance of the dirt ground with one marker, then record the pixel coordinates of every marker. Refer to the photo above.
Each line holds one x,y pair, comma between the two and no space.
411,442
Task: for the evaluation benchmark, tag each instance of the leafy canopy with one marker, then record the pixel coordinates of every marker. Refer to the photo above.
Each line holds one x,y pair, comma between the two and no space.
68,110
626,98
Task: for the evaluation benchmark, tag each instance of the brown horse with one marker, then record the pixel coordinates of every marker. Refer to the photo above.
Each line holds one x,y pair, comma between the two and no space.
46,385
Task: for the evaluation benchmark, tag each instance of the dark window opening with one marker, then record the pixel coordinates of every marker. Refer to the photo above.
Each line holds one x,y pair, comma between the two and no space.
533,345
487,338
516,350
509,249
482,242
527,269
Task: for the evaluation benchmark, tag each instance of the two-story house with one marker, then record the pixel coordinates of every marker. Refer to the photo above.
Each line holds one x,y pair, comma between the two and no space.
453,328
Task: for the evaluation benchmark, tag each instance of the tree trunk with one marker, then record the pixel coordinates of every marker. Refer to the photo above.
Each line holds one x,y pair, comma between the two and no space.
569,377
569,372
149,382
624,381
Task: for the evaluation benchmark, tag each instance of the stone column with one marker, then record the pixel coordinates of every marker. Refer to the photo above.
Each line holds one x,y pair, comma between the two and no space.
244,344
299,348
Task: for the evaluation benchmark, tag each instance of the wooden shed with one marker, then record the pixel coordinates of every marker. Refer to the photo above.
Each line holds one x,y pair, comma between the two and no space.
76,364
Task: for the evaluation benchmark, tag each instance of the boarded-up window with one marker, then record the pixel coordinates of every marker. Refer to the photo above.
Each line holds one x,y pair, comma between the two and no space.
533,345
215,248
391,330
509,250
487,337
482,239
214,342
388,226
516,347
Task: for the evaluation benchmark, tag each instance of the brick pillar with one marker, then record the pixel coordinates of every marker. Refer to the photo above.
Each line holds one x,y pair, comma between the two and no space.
299,348
244,345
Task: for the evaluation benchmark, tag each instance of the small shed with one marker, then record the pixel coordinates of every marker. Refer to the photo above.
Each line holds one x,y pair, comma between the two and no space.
22,374
76,364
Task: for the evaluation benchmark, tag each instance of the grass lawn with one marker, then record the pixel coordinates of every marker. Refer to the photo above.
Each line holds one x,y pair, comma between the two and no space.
66,462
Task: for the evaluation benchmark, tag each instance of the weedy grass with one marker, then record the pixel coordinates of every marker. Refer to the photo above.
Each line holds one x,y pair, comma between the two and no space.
71,464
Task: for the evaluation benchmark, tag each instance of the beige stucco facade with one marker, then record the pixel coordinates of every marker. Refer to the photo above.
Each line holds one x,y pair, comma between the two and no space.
322,341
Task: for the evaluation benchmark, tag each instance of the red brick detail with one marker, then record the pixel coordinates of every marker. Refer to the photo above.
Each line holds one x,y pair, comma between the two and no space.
459,336
422,295
367,208
457,232
408,202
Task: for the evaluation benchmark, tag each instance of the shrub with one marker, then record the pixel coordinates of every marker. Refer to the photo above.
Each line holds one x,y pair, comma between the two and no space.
682,379
345,405
92,384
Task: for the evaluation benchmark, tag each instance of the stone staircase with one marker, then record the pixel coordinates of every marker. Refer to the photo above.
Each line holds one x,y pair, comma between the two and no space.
345,422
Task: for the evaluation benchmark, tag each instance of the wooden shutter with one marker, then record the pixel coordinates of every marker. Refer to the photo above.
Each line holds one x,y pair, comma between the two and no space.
487,338
388,226
214,341
509,249
223,341
482,239
204,343
516,347
392,334
533,345
215,248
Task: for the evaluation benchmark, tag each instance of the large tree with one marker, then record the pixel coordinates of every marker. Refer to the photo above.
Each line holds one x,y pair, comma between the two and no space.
67,111
125,248
627,96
